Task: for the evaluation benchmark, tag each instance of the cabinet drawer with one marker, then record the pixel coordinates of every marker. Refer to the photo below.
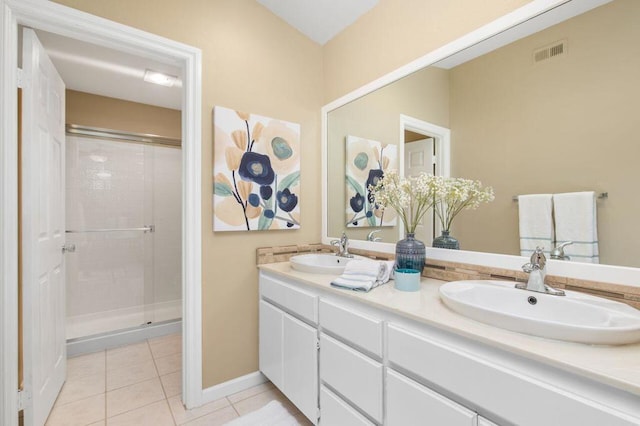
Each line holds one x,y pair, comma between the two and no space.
294,300
354,327
334,411
489,385
353,375
409,403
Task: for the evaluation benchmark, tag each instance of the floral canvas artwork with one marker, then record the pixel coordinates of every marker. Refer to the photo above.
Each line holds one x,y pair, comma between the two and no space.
256,172
367,161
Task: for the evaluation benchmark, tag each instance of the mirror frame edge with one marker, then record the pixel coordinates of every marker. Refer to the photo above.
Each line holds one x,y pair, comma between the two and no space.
592,272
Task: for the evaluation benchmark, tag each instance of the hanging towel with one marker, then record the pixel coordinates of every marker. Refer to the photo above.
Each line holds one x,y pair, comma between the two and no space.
575,214
364,275
536,223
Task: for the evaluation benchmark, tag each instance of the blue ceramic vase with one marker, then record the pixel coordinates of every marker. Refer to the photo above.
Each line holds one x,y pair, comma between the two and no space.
410,253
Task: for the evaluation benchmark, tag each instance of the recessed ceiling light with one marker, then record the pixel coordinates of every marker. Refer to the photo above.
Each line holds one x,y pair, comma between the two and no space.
162,79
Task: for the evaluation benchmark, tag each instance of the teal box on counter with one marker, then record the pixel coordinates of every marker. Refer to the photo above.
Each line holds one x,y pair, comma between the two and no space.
407,279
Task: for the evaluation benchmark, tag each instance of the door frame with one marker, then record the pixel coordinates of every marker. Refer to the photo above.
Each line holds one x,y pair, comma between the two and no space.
442,140
65,21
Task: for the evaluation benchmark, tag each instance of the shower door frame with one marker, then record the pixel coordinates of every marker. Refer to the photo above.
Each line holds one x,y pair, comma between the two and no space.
68,22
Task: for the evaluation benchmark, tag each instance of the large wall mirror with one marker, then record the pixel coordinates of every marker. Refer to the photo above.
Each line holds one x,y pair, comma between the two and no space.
521,123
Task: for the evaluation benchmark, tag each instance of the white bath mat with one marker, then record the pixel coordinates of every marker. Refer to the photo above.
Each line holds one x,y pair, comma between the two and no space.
272,414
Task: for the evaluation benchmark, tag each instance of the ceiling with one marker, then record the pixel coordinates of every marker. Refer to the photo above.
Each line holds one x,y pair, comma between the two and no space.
102,71
320,20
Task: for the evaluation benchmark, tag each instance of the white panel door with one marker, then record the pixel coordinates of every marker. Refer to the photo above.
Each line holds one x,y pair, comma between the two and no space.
419,158
300,366
43,230
270,343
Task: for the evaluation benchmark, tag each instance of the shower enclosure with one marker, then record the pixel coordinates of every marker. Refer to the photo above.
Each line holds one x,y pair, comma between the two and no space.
123,215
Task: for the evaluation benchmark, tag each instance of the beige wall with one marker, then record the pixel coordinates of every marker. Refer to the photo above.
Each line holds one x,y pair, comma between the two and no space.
423,95
252,61
396,32
567,124
108,113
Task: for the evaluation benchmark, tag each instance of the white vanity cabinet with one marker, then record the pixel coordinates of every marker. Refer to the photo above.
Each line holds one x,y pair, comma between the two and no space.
288,349
379,366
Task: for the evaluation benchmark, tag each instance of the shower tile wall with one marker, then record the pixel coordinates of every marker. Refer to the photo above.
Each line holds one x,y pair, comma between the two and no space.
126,278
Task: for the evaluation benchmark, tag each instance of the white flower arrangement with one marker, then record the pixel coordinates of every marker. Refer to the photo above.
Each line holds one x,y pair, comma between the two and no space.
457,194
411,197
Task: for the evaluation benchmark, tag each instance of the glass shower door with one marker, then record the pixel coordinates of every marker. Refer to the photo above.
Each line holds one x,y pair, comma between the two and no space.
108,277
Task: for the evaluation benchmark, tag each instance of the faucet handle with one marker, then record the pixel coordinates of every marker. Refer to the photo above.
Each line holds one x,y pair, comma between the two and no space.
558,251
371,235
538,259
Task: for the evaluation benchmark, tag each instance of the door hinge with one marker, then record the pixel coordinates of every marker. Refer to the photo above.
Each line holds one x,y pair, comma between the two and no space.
317,344
20,78
24,399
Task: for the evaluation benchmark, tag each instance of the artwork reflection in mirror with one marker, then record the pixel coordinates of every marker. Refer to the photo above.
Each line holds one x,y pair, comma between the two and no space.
567,123
367,161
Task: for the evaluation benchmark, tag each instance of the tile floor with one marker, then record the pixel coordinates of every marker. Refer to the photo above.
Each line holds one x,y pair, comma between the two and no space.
139,385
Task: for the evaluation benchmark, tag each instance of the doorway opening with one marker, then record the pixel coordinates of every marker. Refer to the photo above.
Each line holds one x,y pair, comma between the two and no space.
75,25
426,149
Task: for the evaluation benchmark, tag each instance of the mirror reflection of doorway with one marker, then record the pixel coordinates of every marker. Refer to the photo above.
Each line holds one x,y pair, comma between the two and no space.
426,150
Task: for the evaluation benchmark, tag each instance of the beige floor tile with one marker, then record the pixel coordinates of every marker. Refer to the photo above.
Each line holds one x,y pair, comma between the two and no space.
134,396
172,384
131,374
81,387
100,423
86,365
166,345
128,355
156,414
260,400
181,415
250,392
216,418
169,364
80,413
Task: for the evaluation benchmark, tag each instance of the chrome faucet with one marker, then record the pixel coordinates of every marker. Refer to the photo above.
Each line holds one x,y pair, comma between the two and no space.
371,236
536,268
558,252
343,246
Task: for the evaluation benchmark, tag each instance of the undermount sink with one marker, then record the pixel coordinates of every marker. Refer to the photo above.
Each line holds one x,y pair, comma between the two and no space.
575,317
320,263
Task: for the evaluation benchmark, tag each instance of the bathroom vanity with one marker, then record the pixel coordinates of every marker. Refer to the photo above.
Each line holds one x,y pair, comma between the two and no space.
395,358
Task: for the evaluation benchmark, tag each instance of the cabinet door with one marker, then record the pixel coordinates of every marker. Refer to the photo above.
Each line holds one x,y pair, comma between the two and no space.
409,403
300,366
270,344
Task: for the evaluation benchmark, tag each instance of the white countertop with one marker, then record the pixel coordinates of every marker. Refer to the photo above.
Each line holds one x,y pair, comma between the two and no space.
618,366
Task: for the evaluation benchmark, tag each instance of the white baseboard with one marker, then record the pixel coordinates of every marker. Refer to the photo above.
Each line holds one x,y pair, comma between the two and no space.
232,386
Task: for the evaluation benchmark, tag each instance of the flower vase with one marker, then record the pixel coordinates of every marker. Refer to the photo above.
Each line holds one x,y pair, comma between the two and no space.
446,241
410,253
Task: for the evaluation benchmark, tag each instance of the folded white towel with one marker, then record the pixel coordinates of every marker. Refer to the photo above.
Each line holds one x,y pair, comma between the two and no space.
365,284
576,220
535,223
380,270
363,275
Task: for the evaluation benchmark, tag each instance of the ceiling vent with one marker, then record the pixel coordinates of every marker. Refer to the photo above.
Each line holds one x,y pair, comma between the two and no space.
553,50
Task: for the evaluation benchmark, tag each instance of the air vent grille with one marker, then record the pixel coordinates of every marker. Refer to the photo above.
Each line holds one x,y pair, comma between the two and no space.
553,50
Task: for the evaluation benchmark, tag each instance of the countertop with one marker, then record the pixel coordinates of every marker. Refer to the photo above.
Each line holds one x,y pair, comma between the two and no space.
618,366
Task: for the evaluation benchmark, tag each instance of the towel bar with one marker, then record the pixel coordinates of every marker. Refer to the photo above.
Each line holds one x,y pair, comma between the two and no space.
601,196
